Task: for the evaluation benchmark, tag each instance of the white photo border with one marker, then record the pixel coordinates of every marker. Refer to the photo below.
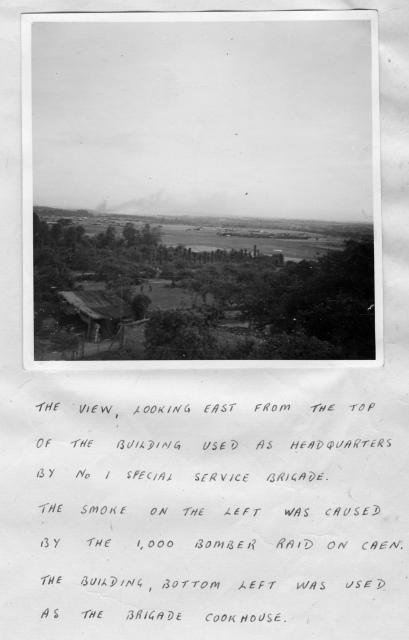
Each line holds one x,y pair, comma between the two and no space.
27,20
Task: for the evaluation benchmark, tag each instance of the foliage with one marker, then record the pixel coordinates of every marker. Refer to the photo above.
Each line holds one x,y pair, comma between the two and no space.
179,335
331,299
140,304
294,346
65,341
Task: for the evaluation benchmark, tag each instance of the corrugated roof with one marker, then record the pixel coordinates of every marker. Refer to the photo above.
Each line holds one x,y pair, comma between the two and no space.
90,285
98,305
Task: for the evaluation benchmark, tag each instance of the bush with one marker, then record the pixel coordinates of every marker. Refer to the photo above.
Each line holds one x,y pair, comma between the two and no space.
179,335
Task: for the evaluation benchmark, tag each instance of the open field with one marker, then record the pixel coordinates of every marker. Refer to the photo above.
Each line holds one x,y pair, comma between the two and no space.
207,239
163,296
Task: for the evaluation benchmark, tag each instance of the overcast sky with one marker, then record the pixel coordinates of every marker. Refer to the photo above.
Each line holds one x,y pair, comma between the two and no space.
254,119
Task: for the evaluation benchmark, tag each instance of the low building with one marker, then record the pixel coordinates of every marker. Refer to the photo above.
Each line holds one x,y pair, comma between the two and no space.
101,312
90,285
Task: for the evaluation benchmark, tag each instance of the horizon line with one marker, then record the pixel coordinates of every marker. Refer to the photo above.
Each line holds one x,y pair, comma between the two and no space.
95,212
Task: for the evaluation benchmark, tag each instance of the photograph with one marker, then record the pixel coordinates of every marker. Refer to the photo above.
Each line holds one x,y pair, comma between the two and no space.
202,187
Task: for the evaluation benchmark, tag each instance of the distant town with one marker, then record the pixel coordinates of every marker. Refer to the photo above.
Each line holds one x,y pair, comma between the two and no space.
131,287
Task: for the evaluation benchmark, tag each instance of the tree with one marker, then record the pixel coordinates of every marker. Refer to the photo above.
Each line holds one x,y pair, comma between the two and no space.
41,232
73,235
107,238
57,232
179,335
150,236
130,234
140,304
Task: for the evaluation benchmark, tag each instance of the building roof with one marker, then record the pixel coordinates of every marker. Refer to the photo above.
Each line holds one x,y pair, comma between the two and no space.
97,305
90,285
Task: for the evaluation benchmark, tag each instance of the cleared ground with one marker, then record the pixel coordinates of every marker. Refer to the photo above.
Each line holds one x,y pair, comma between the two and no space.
163,295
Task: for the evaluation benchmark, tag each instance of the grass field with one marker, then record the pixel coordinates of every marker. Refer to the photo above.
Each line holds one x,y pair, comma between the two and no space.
163,296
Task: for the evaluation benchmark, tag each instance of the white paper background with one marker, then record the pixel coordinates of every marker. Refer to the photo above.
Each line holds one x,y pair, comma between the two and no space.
385,477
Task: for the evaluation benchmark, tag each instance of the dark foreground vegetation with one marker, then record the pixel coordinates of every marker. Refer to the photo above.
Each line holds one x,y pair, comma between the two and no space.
242,305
